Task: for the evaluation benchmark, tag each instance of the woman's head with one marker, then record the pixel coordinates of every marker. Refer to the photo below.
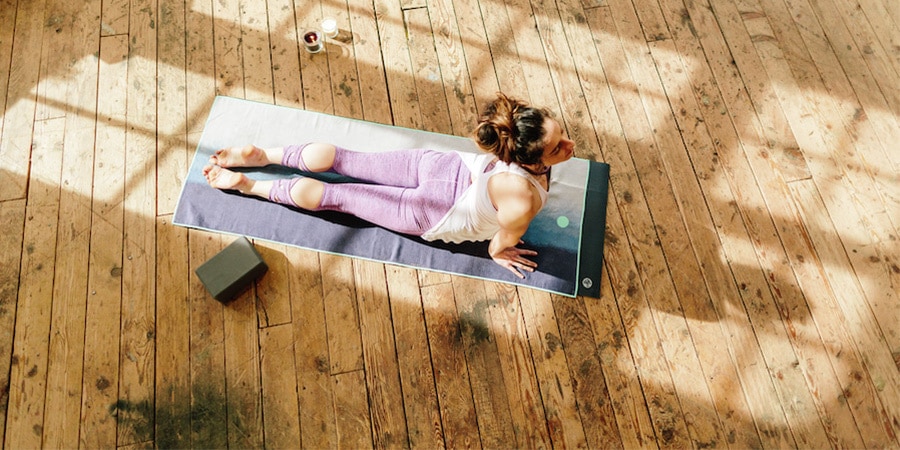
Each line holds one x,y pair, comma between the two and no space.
512,130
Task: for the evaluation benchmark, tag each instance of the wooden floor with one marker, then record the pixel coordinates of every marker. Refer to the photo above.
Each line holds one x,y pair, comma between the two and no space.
752,264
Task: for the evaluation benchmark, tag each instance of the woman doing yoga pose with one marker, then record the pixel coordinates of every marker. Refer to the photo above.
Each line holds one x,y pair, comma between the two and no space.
449,196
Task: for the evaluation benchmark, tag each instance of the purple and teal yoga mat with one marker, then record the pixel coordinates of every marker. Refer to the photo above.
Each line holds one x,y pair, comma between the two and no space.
567,234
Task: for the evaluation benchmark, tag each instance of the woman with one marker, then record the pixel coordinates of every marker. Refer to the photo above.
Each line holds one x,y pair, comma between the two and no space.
449,196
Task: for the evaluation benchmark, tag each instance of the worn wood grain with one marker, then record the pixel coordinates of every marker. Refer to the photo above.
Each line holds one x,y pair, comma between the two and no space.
28,375
343,64
484,362
256,53
811,115
284,47
311,357
855,203
420,397
667,238
866,39
7,30
451,375
58,22
868,335
380,355
448,44
271,290
765,238
352,411
865,126
12,221
242,373
426,72
370,65
138,314
555,381
624,261
29,361
589,384
341,314
208,405
115,17
105,289
173,156
21,101
859,202
633,421
281,414
67,346
313,66
228,51
522,391
200,67
473,40
173,336
398,68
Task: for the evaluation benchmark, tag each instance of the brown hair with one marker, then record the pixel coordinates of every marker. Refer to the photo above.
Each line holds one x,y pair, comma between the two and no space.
512,130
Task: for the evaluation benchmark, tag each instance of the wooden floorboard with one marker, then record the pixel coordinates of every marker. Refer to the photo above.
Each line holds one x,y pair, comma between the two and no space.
750,284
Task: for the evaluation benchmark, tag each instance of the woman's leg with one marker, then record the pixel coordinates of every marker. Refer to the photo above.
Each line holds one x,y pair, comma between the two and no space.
436,181
399,168
414,189
404,210
314,157
299,192
392,168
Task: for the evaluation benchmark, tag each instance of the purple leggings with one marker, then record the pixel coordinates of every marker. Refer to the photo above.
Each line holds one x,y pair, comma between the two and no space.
407,191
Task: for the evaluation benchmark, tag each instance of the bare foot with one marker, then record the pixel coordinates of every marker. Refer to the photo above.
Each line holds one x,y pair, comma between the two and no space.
246,156
221,178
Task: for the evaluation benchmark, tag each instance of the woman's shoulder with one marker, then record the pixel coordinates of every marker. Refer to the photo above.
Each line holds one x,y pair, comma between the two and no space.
510,180
517,174
514,192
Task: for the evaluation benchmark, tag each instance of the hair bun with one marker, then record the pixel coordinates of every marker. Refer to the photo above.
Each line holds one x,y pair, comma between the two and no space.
496,132
511,130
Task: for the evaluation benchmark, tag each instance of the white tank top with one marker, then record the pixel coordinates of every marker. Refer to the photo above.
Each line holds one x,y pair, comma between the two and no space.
473,216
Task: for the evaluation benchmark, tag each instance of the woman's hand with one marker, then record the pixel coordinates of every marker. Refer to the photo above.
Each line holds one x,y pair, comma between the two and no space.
513,258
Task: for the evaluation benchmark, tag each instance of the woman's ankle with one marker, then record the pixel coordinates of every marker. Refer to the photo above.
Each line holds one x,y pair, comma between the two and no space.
274,155
248,186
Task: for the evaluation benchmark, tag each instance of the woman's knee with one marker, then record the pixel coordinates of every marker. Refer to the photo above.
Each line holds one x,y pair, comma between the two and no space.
307,193
319,156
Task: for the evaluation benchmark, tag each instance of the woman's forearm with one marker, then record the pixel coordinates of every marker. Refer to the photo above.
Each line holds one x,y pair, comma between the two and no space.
503,240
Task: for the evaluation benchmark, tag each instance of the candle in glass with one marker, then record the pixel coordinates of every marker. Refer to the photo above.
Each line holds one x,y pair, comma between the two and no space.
312,39
329,27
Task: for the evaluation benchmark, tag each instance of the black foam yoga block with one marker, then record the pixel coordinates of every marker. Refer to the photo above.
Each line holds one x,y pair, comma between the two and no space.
231,270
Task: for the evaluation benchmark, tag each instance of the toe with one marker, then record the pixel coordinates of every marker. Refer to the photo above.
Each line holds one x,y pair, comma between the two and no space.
220,157
213,174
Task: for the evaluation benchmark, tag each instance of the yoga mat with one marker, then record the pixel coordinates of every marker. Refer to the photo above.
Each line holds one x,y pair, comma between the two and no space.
567,234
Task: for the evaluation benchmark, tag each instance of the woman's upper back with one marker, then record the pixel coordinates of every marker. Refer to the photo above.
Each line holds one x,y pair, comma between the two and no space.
511,180
495,184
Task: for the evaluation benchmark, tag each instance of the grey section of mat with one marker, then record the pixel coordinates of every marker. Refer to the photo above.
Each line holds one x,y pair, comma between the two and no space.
557,232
